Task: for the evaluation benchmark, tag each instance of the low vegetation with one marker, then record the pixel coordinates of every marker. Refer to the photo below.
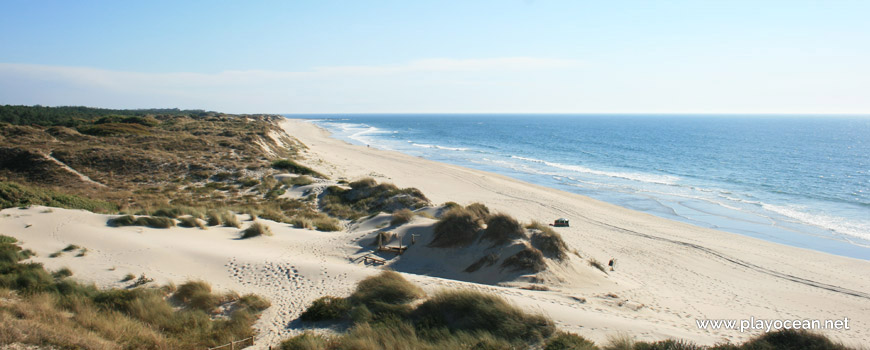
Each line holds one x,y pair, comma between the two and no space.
548,241
51,310
17,195
190,221
457,228
502,228
301,180
149,221
401,216
381,314
528,259
296,168
366,197
382,317
255,230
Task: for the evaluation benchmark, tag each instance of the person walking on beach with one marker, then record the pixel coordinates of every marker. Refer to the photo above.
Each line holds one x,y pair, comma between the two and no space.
611,263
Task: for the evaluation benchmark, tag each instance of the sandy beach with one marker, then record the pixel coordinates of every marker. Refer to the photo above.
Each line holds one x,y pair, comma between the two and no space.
668,274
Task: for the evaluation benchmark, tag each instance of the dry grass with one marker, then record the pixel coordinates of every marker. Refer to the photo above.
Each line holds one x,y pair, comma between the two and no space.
597,264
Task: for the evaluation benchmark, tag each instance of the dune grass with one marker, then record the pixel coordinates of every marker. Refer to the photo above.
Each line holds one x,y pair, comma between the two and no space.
382,315
401,216
479,210
149,221
256,229
366,197
548,241
190,221
502,228
597,264
301,180
529,258
296,168
54,311
17,195
325,309
457,228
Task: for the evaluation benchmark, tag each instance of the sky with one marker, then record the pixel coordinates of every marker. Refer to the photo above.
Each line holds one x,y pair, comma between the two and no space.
472,56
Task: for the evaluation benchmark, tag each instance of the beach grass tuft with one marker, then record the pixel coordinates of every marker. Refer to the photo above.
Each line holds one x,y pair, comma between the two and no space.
255,230
528,259
457,228
502,229
548,241
401,216
597,264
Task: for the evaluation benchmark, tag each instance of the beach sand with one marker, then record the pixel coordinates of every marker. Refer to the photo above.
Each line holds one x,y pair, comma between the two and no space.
668,274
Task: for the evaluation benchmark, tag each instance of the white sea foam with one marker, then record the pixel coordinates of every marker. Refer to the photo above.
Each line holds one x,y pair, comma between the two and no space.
833,223
641,177
423,145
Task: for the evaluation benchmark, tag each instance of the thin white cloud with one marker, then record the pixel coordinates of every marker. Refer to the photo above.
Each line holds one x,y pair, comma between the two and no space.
444,85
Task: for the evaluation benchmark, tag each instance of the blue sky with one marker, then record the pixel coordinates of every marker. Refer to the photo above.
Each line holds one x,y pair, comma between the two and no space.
440,56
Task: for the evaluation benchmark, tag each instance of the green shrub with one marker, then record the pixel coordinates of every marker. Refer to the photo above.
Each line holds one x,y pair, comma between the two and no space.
326,309
456,228
569,341
128,277
502,228
296,168
256,229
401,216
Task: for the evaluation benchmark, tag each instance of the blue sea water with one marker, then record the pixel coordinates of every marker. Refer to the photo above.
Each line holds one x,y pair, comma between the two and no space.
801,181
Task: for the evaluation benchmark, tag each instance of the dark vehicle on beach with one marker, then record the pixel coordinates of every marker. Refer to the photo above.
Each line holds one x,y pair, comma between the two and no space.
560,222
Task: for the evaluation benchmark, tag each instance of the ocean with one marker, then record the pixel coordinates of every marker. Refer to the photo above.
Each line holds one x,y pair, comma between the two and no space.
802,181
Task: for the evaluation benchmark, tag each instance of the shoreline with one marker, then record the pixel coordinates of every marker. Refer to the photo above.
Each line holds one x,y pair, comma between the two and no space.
673,195
664,260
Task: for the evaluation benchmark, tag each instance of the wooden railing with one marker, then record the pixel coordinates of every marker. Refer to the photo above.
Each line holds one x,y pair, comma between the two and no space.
236,345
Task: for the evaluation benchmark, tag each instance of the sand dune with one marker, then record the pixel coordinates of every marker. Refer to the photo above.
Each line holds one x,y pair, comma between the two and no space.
668,274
